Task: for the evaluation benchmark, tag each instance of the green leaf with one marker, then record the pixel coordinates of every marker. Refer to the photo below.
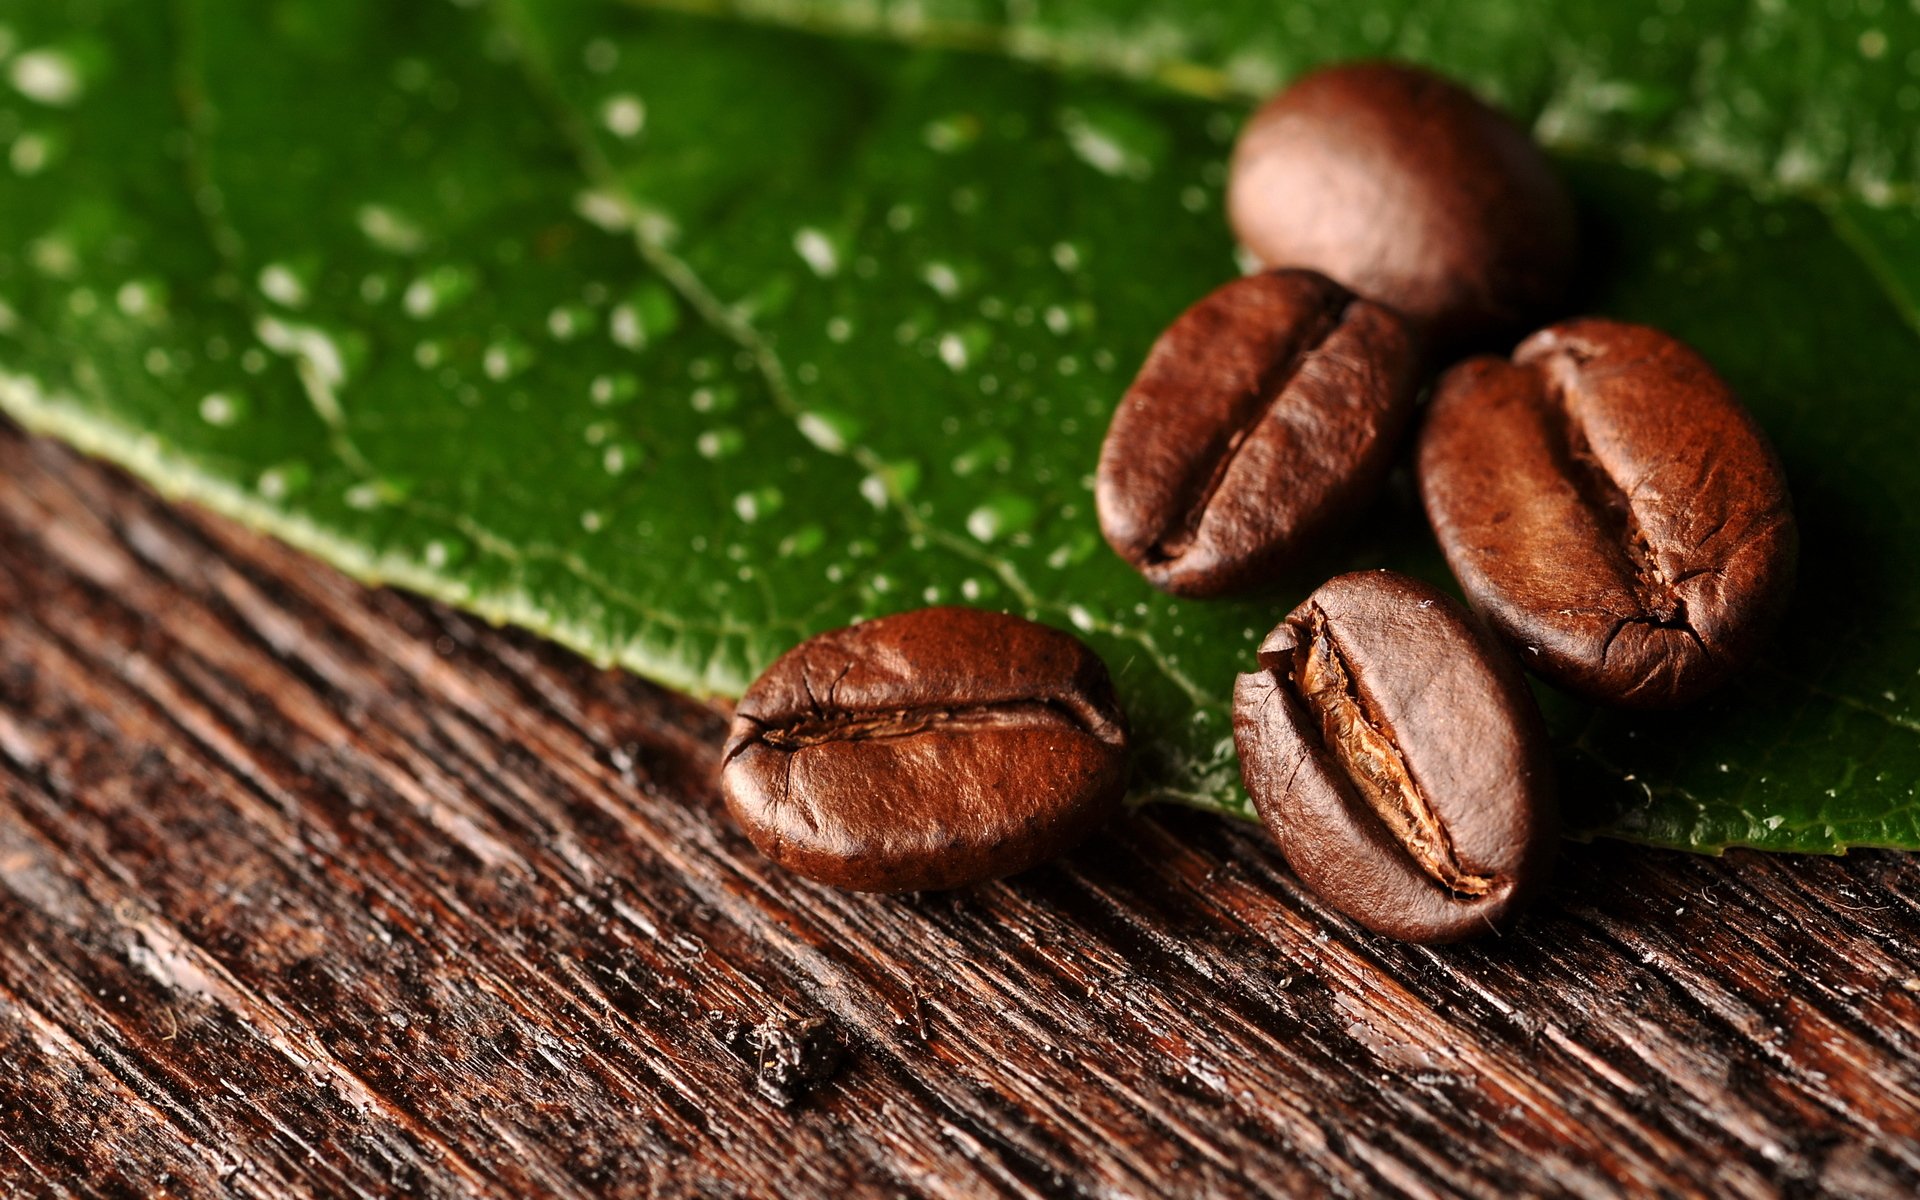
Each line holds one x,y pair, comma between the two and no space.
680,335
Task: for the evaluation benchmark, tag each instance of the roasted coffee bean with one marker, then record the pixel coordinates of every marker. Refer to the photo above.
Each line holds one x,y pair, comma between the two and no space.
1393,750
1612,509
1265,414
931,749
1409,190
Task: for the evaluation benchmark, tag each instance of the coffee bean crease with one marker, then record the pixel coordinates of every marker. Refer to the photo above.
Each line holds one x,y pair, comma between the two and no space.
1362,742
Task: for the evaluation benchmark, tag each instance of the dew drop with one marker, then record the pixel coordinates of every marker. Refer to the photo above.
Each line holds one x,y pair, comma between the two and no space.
802,542
608,390
47,76
1001,516
502,360
953,351
1114,141
719,443
221,409
568,321
818,251
443,552
279,482
279,284
436,290
647,315
600,55
389,230
830,431
952,134
29,154
139,299
942,278
624,115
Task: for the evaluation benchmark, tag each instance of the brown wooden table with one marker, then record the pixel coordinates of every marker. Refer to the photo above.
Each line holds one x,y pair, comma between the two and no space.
307,888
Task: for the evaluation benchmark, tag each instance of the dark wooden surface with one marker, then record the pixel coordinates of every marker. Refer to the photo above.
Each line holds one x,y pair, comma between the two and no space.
311,888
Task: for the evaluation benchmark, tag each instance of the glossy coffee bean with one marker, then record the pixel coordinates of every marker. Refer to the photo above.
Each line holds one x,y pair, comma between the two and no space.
1264,415
931,749
1393,750
1408,189
1609,505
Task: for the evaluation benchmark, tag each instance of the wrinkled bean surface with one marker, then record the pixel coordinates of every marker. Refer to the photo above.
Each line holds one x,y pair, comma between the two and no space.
931,749
1610,506
1263,416
1391,747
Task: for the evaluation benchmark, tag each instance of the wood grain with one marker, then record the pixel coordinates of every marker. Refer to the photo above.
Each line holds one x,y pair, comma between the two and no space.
307,888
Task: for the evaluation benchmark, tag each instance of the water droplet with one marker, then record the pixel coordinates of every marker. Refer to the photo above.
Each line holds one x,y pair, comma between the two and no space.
29,154
751,506
1082,619
608,390
568,321
279,482
624,115
600,55
803,541
942,278
1066,256
719,443
443,552
389,230
437,290
953,351
313,345
831,431
647,315
363,497
54,257
994,451
47,76
279,284
615,459
874,490
140,299
504,359
1072,551
1058,319
952,134
819,252
1001,516
222,408
1114,141
607,210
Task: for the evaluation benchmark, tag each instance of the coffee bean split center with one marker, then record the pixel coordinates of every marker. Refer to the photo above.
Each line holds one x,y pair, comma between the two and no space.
815,729
1364,747
1612,508
1257,406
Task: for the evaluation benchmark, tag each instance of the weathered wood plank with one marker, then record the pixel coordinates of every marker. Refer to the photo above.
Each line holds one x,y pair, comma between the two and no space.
306,887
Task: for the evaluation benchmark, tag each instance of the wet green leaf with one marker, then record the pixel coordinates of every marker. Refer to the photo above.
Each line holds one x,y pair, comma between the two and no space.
680,334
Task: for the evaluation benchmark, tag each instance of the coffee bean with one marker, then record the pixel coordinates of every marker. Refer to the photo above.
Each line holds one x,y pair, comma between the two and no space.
1393,750
1265,414
1609,505
1409,190
931,749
